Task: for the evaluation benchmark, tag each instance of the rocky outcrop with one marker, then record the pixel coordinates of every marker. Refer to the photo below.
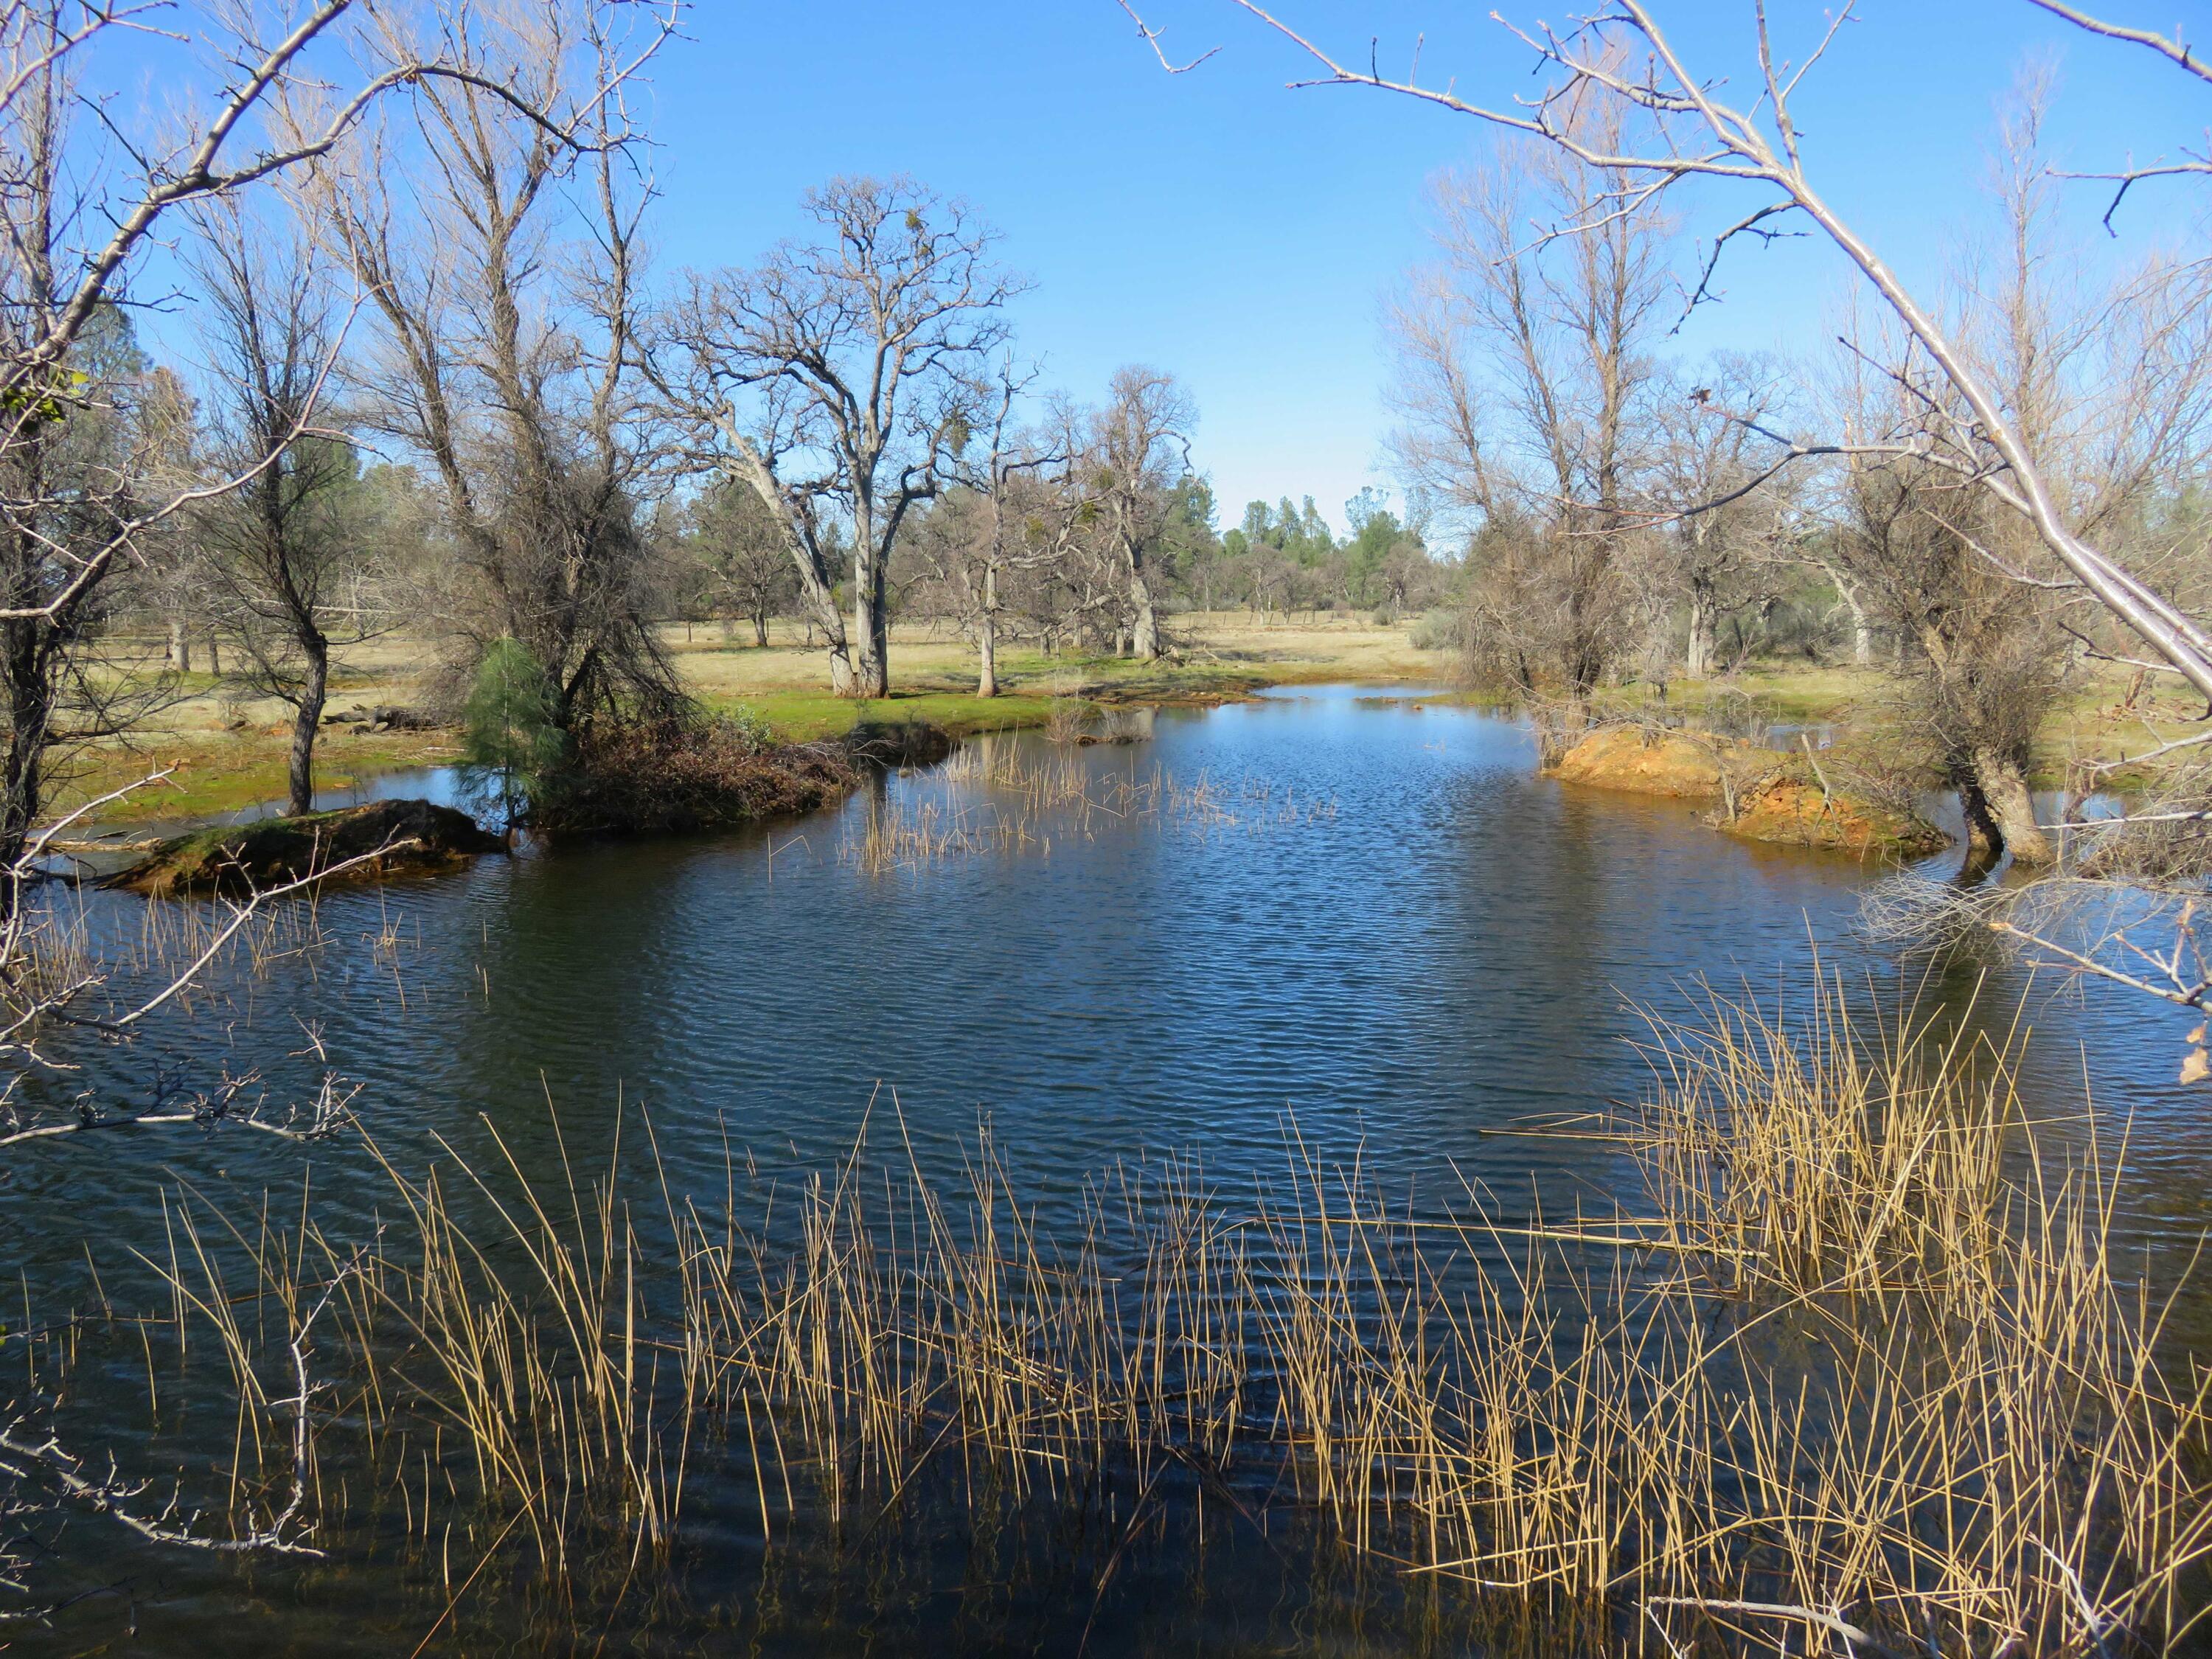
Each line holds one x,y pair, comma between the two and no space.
389,836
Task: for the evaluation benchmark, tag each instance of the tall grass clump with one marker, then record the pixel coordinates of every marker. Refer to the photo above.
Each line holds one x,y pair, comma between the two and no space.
1854,1366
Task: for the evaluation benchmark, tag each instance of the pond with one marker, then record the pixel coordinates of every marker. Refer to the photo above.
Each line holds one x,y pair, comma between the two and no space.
1367,930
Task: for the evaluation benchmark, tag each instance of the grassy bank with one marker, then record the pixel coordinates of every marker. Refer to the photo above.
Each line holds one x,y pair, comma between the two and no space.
230,753
2093,720
1220,656
214,774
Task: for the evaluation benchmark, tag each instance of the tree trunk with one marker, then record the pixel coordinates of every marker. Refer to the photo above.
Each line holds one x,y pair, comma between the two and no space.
308,722
873,675
1862,629
823,614
1985,841
180,647
1556,734
869,621
2009,805
760,629
30,720
1145,639
987,638
1704,632
987,653
818,602
215,655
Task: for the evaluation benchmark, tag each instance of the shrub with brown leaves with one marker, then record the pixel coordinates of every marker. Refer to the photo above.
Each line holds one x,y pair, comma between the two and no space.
674,776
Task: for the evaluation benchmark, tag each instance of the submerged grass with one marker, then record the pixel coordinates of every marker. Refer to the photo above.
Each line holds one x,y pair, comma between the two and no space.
1857,1369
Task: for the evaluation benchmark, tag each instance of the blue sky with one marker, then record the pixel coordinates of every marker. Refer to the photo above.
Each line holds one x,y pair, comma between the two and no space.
1243,235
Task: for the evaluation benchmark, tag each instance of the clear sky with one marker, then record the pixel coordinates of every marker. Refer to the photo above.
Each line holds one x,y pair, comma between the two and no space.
1243,235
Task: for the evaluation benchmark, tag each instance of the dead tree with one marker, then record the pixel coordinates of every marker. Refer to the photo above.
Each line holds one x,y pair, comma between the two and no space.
287,551
1136,448
1701,129
836,379
1014,509
1627,62
1526,380
739,550
83,199
1720,560
496,239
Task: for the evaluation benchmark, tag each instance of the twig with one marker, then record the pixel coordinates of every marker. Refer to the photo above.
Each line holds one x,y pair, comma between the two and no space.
1834,1623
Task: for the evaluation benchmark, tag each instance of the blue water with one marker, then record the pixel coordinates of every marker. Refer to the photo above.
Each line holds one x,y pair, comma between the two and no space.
1407,941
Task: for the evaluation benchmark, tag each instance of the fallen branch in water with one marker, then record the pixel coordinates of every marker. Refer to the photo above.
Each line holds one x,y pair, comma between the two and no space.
110,1497
325,1116
1834,1623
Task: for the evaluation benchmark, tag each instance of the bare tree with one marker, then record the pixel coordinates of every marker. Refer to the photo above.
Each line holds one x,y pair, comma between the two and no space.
2106,388
1269,576
1817,551
75,457
292,564
1137,448
165,569
1986,659
1724,558
1526,378
82,199
497,240
836,379
1407,577
739,548
1014,508
1964,425
1626,62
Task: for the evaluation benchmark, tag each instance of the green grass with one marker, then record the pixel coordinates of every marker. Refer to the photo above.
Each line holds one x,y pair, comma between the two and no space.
1034,682
810,716
215,776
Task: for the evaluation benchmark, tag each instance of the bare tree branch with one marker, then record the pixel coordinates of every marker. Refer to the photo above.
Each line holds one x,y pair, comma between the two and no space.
2182,57
1703,136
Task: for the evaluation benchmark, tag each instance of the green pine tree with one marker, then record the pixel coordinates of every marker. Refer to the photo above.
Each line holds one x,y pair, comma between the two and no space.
512,743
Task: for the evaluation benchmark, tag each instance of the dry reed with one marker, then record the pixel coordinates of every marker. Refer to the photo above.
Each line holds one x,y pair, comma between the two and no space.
1857,1368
